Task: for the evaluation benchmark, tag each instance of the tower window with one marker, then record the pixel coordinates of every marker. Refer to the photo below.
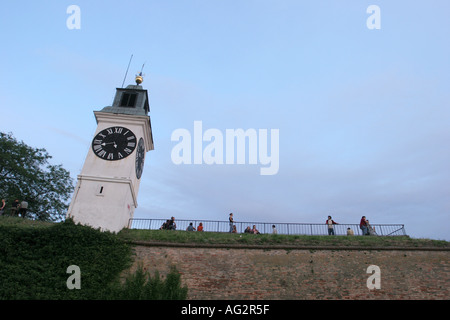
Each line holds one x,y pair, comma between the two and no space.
100,190
128,100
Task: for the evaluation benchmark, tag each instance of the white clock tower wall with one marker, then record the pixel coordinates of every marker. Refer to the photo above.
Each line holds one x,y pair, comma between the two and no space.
106,204
107,188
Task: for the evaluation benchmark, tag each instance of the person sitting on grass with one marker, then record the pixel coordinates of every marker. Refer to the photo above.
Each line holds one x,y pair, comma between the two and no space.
190,227
254,230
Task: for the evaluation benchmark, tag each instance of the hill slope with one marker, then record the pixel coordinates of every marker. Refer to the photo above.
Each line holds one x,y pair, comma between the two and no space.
34,258
44,260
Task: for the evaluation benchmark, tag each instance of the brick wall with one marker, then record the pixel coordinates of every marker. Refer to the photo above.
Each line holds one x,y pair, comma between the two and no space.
220,273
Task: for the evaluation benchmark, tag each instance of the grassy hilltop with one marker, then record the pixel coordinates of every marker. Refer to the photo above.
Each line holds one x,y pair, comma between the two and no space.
277,240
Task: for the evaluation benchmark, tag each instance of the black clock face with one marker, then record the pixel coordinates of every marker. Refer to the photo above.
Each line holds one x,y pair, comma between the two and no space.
140,154
114,143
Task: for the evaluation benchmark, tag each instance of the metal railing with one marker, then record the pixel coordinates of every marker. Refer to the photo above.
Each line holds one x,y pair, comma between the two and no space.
266,227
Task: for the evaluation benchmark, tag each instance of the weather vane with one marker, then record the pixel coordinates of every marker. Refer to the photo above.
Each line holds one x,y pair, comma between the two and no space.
140,76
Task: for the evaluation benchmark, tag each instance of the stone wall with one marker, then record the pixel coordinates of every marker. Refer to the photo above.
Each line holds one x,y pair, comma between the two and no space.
243,273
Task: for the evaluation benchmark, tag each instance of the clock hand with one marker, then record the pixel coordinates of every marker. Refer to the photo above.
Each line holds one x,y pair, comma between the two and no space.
105,143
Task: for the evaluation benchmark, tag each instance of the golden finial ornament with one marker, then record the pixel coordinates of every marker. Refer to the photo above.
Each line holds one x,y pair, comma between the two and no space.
139,78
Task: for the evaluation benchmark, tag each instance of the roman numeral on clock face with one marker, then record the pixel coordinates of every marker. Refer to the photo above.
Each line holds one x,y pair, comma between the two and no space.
101,153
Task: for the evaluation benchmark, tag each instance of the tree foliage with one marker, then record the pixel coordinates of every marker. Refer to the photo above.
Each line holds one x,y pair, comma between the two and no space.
141,285
26,174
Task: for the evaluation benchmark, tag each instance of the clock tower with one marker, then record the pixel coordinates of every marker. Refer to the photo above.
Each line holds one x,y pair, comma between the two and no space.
106,193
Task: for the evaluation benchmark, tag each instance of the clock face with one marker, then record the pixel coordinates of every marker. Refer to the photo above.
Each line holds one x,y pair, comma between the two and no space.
140,154
114,143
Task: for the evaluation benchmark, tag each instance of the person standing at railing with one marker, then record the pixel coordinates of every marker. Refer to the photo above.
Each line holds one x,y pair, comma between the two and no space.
330,223
363,225
231,222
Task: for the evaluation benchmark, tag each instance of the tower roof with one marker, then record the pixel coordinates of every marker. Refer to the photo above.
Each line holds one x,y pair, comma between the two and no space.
132,100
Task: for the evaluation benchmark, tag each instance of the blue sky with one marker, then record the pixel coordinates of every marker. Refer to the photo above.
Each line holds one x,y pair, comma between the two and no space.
363,115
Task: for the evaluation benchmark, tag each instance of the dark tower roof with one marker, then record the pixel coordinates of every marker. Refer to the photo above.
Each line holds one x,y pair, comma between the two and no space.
131,100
